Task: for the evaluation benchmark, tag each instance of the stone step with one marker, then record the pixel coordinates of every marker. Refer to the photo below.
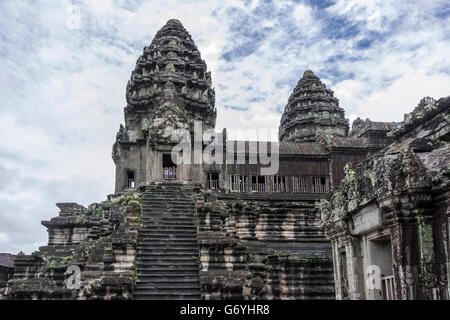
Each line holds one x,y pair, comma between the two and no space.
167,213
167,246
156,255
167,221
144,256
163,278
168,233
171,253
167,195
153,264
168,251
173,198
167,271
169,286
161,219
154,217
177,209
175,227
149,206
172,264
164,243
164,271
169,237
158,195
150,296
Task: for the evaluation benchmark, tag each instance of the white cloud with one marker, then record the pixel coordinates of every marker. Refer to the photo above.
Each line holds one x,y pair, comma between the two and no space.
392,102
4,239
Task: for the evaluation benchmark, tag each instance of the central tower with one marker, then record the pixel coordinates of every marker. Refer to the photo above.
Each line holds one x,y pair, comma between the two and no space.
169,89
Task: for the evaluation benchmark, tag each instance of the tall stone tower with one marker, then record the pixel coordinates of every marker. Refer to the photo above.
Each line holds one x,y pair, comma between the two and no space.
169,89
312,110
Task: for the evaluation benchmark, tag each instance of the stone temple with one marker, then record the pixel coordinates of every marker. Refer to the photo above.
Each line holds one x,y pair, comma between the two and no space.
360,214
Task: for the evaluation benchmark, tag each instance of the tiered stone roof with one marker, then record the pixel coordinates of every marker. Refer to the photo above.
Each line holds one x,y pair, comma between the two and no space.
312,111
360,127
7,260
170,86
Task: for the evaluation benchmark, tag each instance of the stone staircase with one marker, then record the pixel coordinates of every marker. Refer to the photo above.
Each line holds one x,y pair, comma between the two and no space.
168,266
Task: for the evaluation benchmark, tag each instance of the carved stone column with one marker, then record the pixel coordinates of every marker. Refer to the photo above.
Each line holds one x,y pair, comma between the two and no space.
338,236
336,270
355,270
441,233
407,262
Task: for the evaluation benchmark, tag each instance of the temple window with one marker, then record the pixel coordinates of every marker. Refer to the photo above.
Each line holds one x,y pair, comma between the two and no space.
319,185
258,184
237,183
212,181
299,184
279,184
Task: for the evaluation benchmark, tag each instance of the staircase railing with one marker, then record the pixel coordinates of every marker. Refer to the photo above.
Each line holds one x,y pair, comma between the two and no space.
258,187
212,184
169,174
388,288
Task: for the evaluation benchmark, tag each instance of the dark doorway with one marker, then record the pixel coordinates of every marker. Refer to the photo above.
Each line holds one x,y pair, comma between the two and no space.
130,179
169,168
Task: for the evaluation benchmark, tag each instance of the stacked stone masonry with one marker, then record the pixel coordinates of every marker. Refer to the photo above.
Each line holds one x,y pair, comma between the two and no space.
392,211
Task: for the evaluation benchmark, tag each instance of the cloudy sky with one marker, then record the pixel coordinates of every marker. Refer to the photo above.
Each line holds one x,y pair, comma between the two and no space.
62,84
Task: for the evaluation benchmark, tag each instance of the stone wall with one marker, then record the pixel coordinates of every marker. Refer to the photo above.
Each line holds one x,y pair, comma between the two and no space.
400,196
100,241
262,250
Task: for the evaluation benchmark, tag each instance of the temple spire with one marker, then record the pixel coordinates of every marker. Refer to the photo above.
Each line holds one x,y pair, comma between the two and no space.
170,87
312,110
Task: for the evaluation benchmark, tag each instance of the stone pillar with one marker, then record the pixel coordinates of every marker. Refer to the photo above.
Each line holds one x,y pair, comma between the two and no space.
353,267
336,269
355,272
440,262
448,247
337,233
407,265
139,172
441,233
149,175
